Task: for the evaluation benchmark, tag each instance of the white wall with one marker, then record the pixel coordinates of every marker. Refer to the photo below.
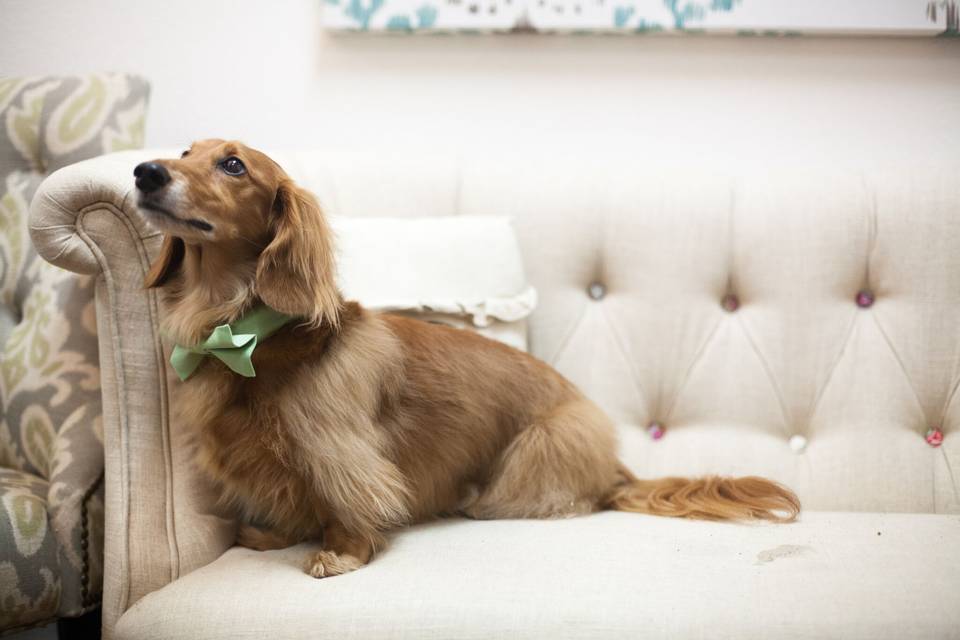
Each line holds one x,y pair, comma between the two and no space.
266,73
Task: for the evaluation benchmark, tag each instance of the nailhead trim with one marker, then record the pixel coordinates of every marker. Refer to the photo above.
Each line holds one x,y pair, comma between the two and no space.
85,599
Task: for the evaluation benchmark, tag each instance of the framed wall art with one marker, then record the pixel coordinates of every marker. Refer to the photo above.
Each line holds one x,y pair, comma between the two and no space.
737,17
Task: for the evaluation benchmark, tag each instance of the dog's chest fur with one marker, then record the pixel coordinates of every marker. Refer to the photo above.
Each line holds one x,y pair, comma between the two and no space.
243,445
299,444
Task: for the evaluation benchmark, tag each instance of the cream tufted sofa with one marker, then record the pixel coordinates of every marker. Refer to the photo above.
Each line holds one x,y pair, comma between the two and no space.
795,323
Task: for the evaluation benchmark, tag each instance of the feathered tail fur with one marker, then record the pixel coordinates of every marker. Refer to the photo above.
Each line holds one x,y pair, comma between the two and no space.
707,498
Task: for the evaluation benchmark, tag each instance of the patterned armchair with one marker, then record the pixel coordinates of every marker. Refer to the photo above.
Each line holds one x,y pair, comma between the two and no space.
51,442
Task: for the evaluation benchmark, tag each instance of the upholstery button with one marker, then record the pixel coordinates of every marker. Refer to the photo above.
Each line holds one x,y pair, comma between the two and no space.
655,430
864,298
798,443
596,291
934,437
730,302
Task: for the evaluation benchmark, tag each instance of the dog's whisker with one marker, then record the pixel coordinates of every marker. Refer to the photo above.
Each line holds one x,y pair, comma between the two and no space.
248,240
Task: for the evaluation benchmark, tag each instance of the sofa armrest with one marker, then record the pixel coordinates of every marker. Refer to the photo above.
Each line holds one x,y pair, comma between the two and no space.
84,219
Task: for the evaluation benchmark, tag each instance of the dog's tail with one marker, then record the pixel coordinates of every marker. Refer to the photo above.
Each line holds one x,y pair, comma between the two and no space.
708,498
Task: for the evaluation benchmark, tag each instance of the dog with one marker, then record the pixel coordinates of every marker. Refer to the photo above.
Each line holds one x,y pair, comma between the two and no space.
357,423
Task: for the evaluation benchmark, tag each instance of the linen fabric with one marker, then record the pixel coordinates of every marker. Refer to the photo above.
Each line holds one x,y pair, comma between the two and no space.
632,262
611,575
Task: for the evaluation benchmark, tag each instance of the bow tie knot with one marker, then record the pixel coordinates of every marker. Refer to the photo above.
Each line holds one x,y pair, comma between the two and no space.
232,344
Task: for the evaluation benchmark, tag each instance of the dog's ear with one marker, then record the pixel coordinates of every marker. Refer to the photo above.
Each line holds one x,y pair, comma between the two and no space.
296,273
167,262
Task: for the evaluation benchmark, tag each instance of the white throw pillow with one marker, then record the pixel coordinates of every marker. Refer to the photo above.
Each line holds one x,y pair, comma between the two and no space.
465,271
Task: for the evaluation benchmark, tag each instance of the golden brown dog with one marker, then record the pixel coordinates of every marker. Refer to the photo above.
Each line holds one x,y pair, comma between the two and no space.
357,422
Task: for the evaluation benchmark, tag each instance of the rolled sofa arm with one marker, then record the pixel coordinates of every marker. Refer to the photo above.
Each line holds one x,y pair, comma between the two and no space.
159,518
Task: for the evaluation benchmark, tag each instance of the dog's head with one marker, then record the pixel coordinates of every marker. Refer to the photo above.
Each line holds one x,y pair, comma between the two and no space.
226,199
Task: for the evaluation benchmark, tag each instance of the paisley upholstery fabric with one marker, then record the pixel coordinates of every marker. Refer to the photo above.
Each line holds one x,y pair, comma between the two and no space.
28,567
51,444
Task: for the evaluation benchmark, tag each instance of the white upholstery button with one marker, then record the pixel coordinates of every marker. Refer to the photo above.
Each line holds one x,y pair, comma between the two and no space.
596,291
798,443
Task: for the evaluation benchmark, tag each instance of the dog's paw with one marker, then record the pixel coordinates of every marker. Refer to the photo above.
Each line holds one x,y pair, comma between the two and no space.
324,564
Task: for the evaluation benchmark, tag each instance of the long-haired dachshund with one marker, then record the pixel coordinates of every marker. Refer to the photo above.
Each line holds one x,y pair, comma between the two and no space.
355,423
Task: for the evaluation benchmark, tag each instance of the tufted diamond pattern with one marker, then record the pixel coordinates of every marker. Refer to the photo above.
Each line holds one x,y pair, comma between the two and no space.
730,311
633,262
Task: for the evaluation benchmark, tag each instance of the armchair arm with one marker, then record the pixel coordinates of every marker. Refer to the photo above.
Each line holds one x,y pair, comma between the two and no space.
159,523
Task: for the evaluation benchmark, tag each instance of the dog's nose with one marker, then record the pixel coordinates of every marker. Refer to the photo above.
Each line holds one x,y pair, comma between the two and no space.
151,176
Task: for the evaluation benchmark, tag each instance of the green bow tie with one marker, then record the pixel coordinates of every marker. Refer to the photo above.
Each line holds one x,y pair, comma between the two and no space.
232,344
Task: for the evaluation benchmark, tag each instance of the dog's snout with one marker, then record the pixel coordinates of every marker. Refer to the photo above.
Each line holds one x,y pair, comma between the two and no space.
151,176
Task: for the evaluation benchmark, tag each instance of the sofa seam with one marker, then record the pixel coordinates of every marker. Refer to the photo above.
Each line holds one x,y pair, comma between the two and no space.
166,438
953,480
851,329
632,374
77,221
568,335
949,403
916,397
768,372
121,393
123,216
694,361
900,365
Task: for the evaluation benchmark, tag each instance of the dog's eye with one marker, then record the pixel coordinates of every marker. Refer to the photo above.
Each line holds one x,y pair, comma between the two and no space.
233,167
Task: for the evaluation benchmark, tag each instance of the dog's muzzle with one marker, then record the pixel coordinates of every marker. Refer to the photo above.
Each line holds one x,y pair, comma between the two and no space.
151,176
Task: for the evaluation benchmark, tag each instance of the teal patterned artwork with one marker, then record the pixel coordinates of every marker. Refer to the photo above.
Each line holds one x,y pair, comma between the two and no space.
738,17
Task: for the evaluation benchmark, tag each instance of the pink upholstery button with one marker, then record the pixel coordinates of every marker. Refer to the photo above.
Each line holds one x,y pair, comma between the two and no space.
656,430
934,437
596,291
730,302
864,298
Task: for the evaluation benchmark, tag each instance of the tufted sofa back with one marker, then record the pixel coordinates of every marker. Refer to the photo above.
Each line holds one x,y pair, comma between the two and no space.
802,325
794,323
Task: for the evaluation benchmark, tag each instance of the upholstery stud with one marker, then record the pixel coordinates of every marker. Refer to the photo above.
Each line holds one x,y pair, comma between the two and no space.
655,430
798,443
730,302
865,298
934,436
596,291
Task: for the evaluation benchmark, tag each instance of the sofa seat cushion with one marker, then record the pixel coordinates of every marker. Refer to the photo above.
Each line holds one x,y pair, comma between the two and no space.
29,571
616,575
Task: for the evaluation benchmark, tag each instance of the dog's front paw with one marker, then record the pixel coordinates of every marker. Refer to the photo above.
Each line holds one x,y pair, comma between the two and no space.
324,564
